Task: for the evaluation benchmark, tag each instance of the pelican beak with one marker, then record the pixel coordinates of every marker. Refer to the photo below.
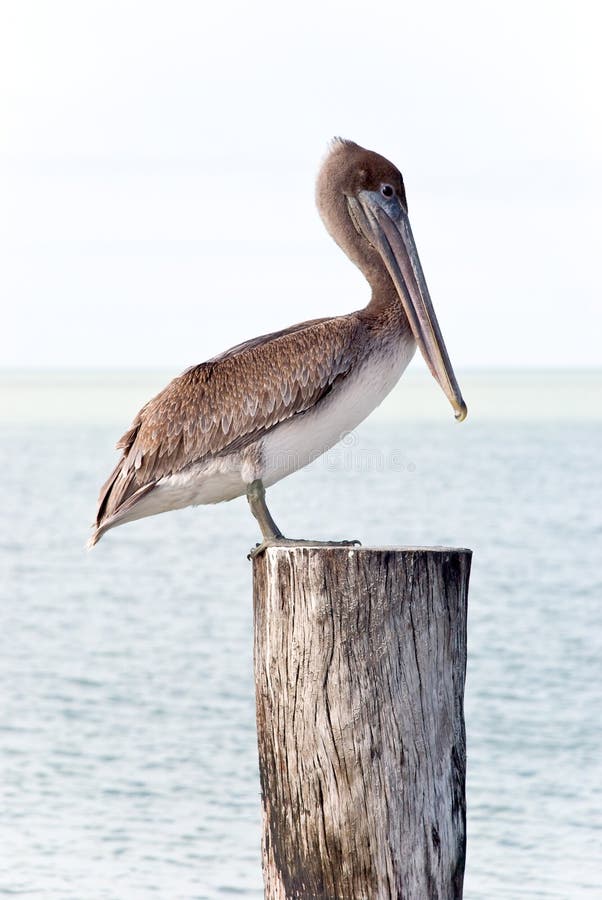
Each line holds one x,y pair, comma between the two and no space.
385,224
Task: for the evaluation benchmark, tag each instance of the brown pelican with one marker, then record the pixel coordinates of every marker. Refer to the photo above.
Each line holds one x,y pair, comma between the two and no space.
242,421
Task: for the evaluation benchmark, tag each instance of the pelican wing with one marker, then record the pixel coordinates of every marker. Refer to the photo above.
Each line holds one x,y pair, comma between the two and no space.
227,403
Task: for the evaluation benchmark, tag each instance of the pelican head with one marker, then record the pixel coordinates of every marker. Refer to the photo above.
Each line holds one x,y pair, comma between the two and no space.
361,199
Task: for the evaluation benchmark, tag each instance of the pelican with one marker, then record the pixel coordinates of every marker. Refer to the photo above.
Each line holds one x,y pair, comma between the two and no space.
243,420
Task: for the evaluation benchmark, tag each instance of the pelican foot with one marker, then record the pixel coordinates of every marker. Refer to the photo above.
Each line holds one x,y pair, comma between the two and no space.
292,542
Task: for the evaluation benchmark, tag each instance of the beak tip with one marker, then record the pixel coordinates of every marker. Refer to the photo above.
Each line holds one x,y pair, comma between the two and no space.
461,412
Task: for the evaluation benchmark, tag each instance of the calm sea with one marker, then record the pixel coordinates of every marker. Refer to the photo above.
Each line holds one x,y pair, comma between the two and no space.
127,751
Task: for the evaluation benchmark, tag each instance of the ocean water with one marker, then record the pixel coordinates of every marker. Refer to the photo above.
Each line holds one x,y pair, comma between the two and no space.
128,763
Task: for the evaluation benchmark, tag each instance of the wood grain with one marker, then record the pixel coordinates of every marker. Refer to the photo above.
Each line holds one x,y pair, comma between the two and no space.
360,659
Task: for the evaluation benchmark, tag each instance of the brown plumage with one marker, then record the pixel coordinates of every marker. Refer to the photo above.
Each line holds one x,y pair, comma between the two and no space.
227,403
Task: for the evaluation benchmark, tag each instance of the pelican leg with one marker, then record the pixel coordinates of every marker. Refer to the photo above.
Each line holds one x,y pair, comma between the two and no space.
259,508
272,536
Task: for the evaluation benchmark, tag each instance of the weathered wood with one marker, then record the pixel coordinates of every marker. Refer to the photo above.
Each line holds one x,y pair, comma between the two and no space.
360,658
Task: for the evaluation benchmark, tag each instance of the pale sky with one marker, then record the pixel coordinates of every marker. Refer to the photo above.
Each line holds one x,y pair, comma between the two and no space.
158,160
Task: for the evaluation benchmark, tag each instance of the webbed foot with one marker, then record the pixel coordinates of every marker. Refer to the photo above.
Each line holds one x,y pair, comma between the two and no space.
293,542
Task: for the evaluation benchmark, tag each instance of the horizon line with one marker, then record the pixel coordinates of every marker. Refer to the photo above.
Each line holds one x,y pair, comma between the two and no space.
412,370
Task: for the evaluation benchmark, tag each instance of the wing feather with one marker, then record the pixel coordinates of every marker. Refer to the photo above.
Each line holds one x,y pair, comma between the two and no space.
229,402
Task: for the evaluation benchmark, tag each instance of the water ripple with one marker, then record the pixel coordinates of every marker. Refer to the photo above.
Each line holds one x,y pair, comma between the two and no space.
128,724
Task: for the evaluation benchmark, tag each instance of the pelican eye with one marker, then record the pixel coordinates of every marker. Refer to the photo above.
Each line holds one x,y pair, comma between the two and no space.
387,190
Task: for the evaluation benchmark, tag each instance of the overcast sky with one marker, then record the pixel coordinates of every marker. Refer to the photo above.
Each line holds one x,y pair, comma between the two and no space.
158,162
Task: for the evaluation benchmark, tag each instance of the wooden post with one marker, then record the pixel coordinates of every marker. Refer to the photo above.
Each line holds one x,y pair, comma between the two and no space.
360,659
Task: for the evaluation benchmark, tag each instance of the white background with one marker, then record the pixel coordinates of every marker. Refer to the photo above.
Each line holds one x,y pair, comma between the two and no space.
158,162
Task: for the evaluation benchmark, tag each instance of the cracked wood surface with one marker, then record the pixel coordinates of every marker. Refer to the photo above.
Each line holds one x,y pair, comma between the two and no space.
360,660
